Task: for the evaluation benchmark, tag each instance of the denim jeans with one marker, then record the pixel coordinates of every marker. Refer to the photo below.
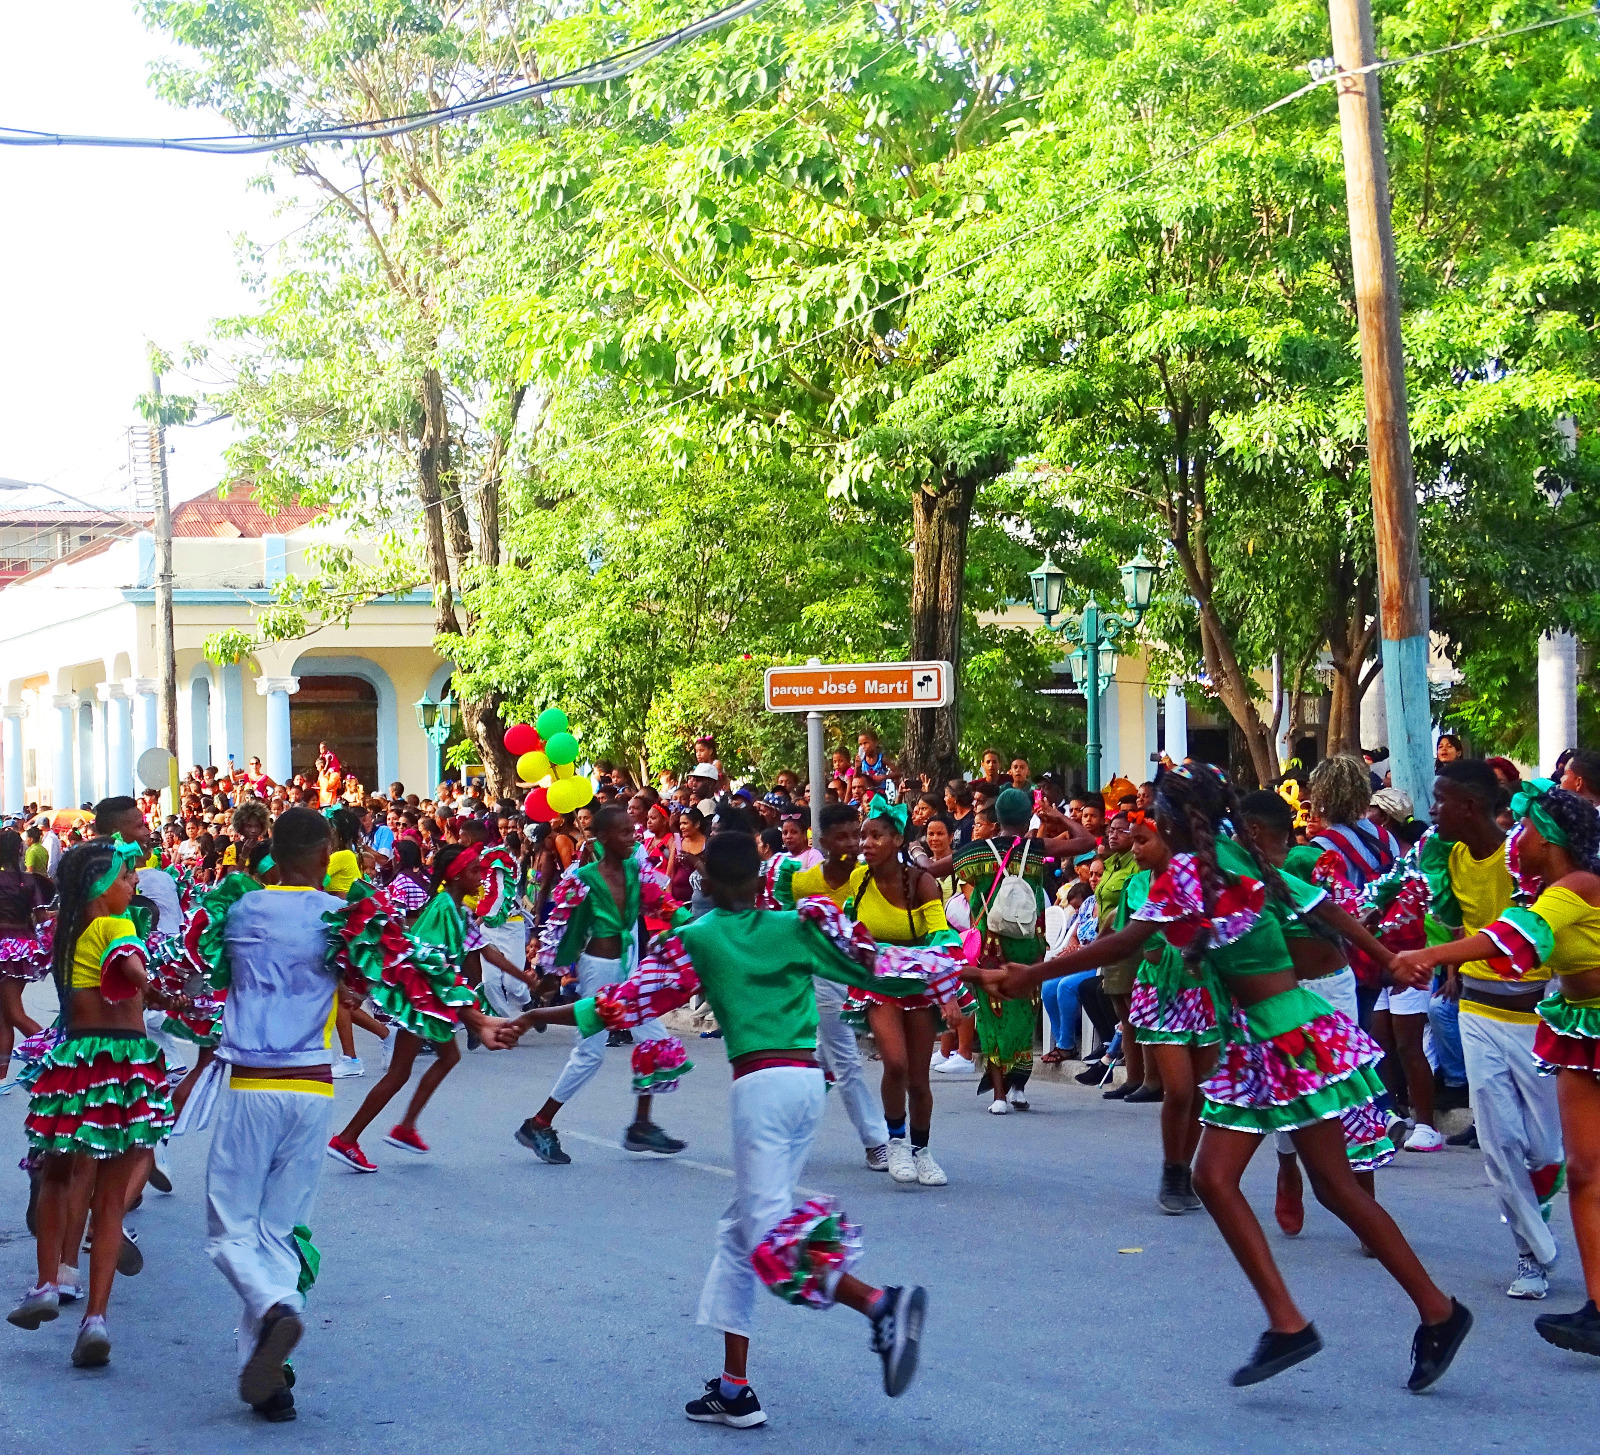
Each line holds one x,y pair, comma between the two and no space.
1442,1018
1061,1005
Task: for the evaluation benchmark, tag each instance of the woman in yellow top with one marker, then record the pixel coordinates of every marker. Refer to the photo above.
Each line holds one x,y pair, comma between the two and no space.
1555,852
101,1093
898,904
345,868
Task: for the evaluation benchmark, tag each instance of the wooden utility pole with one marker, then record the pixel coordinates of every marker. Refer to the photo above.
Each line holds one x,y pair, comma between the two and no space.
1402,608
166,657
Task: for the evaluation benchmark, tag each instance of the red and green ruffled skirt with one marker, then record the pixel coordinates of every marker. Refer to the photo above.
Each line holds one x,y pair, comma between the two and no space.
1290,1062
1568,1038
100,1095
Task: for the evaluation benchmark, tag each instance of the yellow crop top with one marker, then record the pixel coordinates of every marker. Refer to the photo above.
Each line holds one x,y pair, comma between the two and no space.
891,925
1484,890
1575,924
104,938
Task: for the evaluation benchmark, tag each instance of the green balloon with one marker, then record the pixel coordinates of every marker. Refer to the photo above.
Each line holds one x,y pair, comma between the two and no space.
552,721
562,748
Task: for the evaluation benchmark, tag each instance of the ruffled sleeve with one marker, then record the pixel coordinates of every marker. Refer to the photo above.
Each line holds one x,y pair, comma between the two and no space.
413,979
780,880
205,948
848,954
499,898
565,929
1526,937
1178,901
1433,863
664,980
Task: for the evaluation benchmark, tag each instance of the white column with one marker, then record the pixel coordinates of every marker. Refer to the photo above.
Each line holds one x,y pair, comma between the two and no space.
1558,697
1375,715
66,706
277,691
143,692
1177,723
84,792
13,751
119,739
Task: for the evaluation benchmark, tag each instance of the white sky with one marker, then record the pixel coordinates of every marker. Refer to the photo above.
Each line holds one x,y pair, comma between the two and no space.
101,250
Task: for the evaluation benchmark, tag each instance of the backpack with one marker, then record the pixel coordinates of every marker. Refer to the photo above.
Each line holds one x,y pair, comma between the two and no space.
1013,906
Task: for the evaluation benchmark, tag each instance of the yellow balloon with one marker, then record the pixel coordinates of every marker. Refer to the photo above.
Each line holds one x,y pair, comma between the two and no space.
567,795
563,770
532,767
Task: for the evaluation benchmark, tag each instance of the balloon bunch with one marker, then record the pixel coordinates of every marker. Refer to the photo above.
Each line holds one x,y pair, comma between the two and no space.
547,756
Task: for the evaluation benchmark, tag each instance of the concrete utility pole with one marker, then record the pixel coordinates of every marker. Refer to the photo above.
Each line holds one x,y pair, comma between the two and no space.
1402,609
166,656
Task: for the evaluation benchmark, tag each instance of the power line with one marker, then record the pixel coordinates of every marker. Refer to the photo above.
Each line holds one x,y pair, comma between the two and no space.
1324,73
608,68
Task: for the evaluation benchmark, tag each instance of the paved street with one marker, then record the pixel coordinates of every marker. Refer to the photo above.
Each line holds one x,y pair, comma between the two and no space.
479,1300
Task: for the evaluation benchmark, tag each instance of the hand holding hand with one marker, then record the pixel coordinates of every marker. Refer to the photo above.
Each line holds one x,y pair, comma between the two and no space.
1410,969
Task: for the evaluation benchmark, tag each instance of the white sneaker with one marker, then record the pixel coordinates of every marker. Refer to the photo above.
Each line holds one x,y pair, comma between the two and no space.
902,1165
878,1158
388,1047
1000,1107
1018,1098
929,1172
1530,1281
939,1058
955,1064
348,1066
1424,1138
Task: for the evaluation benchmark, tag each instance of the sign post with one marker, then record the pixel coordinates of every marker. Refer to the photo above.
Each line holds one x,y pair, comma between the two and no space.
851,687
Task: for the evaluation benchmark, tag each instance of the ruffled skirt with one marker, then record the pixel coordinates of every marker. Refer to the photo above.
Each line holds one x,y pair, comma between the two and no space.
802,1259
100,1096
1568,1038
24,957
1324,1068
1173,1016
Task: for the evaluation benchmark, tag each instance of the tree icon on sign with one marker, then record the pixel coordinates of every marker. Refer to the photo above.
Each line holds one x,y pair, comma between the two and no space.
924,686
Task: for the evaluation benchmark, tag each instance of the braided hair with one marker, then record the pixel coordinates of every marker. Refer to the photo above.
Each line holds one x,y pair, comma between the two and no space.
1579,822
80,867
444,858
1199,803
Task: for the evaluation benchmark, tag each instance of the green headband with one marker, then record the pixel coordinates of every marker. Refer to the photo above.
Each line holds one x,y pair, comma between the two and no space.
1529,804
123,856
896,813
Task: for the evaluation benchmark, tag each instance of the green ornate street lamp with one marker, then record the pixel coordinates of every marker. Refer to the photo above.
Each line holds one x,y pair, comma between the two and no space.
1093,630
437,721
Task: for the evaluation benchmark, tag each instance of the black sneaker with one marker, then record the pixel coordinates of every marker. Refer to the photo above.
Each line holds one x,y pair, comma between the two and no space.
1275,1353
542,1142
262,1376
896,1335
1119,1093
1579,1332
620,1038
1093,1074
1468,1138
1144,1093
648,1137
1435,1345
711,1408
1169,1195
1191,1199
277,1408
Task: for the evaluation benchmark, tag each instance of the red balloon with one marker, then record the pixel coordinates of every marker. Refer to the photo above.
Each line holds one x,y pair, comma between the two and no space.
537,806
521,739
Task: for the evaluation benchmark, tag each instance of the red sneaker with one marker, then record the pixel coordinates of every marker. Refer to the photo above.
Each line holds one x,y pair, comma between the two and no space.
407,1140
351,1155
1290,1205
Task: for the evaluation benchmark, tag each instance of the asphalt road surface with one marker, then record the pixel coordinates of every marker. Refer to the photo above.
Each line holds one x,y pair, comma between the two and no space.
478,1300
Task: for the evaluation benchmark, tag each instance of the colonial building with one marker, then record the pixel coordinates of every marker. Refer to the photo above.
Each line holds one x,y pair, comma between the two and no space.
78,669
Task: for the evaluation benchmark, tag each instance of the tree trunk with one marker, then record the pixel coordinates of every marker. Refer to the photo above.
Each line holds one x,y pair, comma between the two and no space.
941,511
1350,638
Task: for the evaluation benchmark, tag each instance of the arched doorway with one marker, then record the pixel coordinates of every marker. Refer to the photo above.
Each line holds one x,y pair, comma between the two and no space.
199,722
339,711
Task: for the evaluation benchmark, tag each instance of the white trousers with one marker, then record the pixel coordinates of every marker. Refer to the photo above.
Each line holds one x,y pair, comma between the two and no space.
267,1155
1518,1119
590,1052
841,1058
775,1115
507,995
1339,990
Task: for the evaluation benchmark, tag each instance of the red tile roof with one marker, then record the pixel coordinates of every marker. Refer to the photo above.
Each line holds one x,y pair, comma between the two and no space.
235,515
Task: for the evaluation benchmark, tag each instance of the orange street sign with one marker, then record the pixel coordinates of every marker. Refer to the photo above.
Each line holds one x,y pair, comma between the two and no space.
857,685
